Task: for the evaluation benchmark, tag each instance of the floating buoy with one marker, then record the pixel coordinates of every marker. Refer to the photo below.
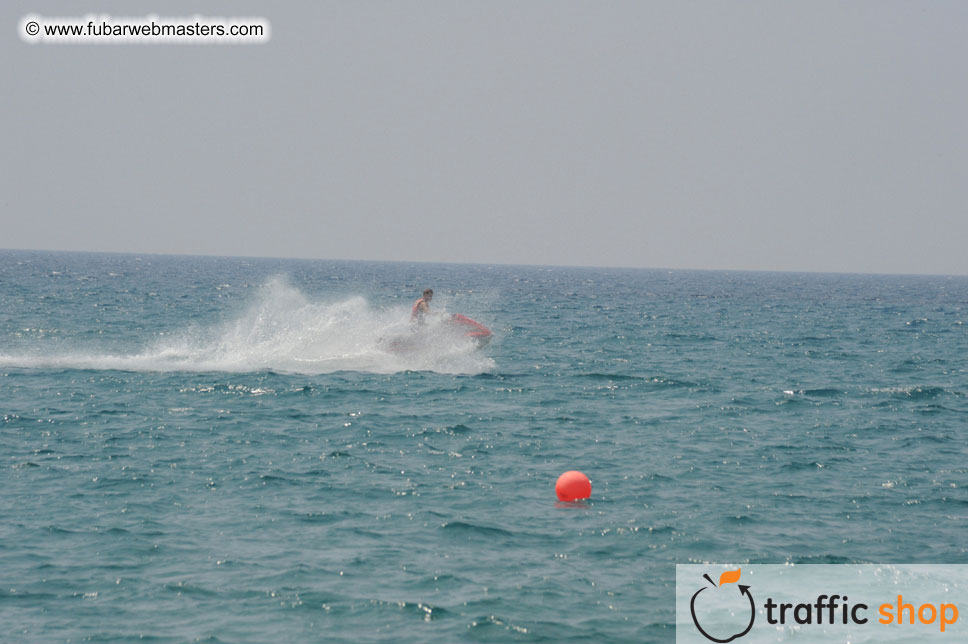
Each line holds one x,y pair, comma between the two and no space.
573,486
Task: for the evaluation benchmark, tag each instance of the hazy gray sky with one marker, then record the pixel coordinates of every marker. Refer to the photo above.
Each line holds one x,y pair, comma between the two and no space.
824,136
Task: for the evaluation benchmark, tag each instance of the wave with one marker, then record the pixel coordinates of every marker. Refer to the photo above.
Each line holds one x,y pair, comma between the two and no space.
916,392
468,528
284,331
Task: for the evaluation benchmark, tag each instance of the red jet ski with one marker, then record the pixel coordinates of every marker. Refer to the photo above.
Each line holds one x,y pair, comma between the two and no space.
472,329
456,325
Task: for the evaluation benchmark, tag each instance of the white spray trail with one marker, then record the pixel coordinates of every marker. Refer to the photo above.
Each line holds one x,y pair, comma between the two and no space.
284,331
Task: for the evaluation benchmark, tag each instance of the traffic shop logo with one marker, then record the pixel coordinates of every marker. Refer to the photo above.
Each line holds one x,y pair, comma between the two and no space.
737,597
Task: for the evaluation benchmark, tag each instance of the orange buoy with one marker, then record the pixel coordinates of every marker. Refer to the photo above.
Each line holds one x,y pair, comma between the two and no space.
573,486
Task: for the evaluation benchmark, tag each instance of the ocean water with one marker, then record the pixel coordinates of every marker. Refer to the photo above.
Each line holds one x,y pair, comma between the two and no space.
224,450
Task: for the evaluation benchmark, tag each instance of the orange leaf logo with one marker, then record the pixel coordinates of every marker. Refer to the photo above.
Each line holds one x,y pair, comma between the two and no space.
730,576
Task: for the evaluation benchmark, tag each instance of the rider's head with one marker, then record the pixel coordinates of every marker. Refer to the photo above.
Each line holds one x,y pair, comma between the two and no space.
428,293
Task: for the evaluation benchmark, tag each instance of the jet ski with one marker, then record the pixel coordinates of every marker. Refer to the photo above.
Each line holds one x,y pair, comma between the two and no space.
471,329
453,327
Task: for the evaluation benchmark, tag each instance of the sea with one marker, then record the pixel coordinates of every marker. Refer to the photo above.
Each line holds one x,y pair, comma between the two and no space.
202,449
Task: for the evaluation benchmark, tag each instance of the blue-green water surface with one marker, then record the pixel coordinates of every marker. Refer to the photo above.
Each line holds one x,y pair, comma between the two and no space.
226,450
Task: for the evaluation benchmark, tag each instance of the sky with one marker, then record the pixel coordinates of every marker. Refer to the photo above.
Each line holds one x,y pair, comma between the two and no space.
761,135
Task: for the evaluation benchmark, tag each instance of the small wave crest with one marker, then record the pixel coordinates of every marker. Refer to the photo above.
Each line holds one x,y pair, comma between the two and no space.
283,330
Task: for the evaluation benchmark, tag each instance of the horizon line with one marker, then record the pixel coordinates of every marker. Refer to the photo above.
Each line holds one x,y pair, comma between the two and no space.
456,263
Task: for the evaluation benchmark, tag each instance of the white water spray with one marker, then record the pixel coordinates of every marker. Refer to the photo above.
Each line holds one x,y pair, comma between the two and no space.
282,330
